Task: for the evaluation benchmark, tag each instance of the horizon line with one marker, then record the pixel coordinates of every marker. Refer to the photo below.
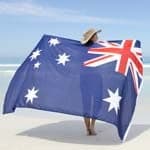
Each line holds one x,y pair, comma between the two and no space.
145,65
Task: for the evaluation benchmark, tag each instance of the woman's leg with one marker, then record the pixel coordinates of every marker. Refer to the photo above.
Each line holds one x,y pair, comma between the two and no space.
92,126
87,124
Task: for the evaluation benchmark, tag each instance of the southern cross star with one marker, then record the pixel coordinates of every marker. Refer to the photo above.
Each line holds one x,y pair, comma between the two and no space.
31,95
63,59
37,65
35,54
53,41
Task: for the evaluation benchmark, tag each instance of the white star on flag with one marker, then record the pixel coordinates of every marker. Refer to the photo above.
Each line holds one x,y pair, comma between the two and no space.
31,95
63,59
35,54
53,41
113,100
37,65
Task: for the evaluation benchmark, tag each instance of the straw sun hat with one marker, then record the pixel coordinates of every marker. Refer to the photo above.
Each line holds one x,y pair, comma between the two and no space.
88,35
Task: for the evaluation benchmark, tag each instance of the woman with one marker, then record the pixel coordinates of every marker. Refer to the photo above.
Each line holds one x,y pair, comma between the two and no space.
90,37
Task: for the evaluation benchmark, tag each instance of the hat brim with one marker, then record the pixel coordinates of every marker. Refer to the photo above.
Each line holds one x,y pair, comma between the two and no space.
84,41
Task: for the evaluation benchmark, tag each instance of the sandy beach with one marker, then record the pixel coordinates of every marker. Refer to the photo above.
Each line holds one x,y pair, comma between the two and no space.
20,132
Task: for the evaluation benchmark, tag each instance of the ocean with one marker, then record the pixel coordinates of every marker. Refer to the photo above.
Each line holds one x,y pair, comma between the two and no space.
141,112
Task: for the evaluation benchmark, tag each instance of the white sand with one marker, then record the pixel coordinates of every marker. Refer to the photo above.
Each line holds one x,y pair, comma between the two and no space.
65,133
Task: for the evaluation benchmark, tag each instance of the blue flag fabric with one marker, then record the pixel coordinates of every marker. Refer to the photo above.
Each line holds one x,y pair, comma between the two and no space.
99,80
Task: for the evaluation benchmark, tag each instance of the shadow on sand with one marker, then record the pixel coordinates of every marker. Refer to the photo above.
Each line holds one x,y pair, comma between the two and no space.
74,132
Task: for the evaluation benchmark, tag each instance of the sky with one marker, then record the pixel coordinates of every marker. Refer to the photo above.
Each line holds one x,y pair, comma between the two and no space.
23,22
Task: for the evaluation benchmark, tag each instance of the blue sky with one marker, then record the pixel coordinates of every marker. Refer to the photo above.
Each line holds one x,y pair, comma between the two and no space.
23,22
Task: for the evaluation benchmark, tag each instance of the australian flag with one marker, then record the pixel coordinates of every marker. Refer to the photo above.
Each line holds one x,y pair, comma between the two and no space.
99,80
